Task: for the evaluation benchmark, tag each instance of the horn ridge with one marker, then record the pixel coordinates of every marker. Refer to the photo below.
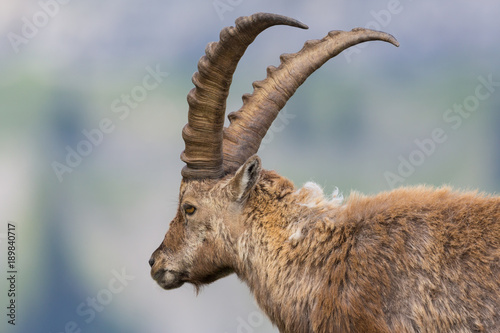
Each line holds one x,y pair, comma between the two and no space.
250,123
203,134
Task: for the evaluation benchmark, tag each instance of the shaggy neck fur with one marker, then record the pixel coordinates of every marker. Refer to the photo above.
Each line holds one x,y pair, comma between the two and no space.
277,253
355,267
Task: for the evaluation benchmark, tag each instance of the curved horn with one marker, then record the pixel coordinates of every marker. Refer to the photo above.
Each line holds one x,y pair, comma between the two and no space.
203,134
249,124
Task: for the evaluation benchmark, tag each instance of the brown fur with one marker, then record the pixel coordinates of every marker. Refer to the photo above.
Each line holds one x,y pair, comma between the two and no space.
410,260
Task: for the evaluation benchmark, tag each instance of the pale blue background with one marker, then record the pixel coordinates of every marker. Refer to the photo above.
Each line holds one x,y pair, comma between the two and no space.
352,121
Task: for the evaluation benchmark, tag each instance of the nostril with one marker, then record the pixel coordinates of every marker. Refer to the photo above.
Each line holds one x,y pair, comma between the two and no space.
151,262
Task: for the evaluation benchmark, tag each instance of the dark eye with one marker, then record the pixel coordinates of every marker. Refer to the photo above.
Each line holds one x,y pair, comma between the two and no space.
189,209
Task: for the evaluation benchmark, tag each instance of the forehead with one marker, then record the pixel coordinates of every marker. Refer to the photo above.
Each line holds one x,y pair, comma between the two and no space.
199,188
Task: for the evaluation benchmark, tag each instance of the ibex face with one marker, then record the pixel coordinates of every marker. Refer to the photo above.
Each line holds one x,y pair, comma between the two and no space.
199,247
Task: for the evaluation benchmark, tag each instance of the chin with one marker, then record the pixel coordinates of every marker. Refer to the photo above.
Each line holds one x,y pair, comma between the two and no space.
168,279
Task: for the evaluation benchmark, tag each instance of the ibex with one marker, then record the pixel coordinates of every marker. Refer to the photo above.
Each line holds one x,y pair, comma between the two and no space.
415,259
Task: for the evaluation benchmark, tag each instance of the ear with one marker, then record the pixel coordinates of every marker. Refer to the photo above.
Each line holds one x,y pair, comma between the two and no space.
245,178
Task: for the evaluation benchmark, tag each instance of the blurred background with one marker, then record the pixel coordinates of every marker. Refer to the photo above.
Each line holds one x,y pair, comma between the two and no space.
93,101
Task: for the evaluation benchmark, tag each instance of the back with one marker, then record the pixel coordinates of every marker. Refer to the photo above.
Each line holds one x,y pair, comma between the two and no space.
421,260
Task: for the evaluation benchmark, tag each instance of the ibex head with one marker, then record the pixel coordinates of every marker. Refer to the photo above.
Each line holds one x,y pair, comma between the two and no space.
221,172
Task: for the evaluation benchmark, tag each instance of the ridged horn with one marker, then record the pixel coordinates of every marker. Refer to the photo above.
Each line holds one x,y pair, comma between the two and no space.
250,123
203,134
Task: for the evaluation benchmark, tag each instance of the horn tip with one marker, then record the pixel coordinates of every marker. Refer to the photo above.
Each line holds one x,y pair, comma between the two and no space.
375,35
297,24
278,18
391,39
302,25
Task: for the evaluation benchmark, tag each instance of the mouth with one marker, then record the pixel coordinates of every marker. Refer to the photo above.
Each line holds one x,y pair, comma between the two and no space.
168,279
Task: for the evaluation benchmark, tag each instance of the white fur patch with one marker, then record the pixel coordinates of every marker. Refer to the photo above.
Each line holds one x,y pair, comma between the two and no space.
314,188
311,195
296,235
337,198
